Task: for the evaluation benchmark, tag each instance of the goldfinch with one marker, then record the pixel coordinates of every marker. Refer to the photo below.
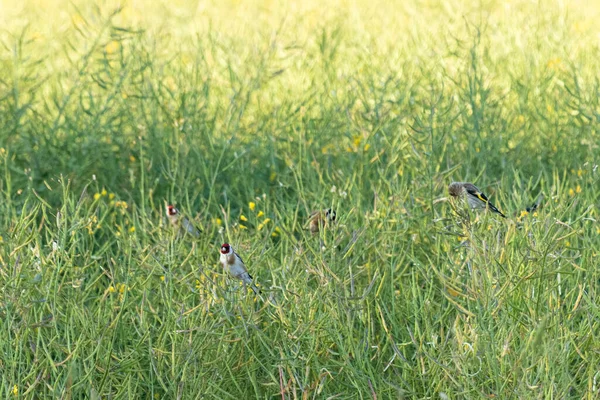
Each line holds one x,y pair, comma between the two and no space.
318,219
536,205
180,222
475,198
235,266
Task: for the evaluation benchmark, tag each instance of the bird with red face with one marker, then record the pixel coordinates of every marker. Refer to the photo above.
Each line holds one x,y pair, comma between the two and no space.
235,266
319,219
181,223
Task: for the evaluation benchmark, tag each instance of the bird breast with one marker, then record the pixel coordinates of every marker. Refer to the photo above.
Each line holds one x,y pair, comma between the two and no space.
227,259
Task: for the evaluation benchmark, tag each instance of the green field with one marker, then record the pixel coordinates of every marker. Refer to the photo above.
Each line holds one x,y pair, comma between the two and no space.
248,115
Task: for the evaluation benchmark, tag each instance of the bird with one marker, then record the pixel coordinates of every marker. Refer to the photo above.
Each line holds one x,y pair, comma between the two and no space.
536,205
180,222
318,219
234,264
475,197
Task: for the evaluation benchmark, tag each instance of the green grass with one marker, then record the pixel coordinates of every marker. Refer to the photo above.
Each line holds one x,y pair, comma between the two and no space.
366,107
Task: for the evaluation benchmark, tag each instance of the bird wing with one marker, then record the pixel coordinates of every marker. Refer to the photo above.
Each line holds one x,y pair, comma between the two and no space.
240,258
473,191
190,228
535,205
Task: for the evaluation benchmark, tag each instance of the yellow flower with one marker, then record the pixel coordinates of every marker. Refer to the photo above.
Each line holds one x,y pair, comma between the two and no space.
571,192
103,193
367,147
2,240
171,83
218,221
252,205
262,224
186,60
132,229
162,278
77,20
578,189
198,285
132,158
96,196
325,149
243,218
15,390
111,196
112,47
555,63
242,226
579,172
524,213
260,214
111,289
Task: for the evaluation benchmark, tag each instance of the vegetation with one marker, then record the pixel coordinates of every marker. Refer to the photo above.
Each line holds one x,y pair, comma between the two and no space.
248,116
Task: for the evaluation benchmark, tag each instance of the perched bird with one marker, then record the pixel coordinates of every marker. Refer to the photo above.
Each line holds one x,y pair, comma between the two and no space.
234,264
318,219
536,205
180,222
475,198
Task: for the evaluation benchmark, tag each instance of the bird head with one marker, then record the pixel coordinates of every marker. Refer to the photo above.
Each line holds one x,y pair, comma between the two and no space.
455,189
330,215
226,248
171,210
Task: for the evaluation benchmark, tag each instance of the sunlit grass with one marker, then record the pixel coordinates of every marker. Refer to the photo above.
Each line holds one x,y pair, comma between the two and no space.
250,115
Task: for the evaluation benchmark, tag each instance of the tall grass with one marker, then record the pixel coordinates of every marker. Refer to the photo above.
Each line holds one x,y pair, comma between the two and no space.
249,116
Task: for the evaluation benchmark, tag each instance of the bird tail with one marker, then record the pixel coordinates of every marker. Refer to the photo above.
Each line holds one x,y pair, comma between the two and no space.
255,289
494,209
248,280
